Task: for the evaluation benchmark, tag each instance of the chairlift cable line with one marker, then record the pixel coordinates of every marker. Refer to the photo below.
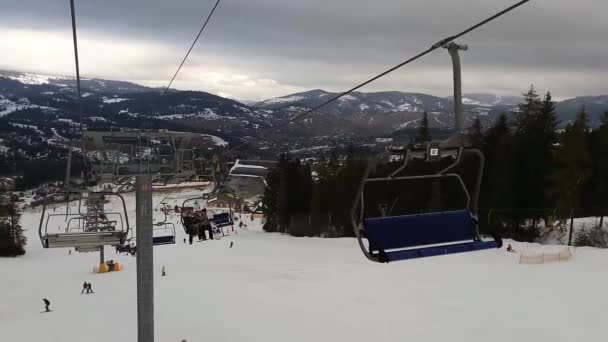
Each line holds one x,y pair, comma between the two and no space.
175,75
191,46
398,66
79,101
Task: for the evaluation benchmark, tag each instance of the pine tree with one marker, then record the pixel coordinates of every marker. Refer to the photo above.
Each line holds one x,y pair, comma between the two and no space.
497,189
12,240
348,180
543,139
474,134
574,163
599,183
548,119
535,125
527,110
271,200
424,134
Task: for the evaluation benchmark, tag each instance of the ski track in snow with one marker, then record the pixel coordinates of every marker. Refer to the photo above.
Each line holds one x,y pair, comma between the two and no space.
272,287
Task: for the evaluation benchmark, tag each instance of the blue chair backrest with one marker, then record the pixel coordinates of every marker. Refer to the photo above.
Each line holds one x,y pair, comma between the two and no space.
405,231
222,219
163,240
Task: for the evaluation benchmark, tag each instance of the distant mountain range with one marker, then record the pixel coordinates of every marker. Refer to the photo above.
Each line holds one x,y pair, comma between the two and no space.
402,110
358,114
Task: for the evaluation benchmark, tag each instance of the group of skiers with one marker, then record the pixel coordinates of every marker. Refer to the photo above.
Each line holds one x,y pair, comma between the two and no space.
197,223
86,287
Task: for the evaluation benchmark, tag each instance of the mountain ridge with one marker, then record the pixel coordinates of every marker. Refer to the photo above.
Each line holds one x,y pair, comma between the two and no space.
385,110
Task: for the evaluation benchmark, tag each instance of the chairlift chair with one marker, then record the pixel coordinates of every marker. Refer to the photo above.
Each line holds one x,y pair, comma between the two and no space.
166,235
217,221
222,220
91,231
393,237
186,213
165,231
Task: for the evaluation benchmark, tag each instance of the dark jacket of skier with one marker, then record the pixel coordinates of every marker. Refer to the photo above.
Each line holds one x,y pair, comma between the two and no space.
47,303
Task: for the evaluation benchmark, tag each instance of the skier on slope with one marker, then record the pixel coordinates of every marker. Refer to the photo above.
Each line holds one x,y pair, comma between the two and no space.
84,287
47,303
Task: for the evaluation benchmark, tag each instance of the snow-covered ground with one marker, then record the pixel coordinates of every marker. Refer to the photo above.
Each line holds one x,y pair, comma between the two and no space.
271,287
283,99
114,100
7,106
216,140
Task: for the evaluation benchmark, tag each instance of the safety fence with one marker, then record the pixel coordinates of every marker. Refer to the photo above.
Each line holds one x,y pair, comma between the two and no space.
534,257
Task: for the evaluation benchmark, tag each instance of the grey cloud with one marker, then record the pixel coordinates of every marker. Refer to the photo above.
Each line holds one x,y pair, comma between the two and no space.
335,43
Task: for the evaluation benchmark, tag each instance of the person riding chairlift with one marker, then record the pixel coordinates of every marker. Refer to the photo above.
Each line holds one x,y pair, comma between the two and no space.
206,224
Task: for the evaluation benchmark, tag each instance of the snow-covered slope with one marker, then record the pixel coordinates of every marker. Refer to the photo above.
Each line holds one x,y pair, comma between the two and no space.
271,287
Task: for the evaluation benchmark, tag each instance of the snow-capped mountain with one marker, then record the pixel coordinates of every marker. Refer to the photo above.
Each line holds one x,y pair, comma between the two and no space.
488,100
358,103
387,111
41,103
95,84
48,104
595,106
399,110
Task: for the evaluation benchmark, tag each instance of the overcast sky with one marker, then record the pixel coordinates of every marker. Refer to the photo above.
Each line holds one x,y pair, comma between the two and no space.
257,49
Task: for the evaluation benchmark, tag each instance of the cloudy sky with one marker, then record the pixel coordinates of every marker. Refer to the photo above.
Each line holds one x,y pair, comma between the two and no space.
257,49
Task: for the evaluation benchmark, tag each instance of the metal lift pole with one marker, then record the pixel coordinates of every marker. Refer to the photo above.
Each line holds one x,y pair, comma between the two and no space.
453,49
145,262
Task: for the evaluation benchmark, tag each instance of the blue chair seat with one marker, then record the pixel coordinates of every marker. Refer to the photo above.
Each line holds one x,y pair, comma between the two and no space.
439,250
163,240
423,235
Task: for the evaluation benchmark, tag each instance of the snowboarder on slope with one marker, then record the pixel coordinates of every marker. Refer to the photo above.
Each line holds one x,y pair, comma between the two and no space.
47,303
510,248
163,272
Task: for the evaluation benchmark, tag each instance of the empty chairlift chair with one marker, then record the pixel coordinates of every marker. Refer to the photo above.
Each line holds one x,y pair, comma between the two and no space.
163,234
222,220
399,237
87,228
218,222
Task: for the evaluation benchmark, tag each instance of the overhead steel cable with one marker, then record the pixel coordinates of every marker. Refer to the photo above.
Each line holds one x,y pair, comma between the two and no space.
398,66
80,115
75,38
177,72
192,46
